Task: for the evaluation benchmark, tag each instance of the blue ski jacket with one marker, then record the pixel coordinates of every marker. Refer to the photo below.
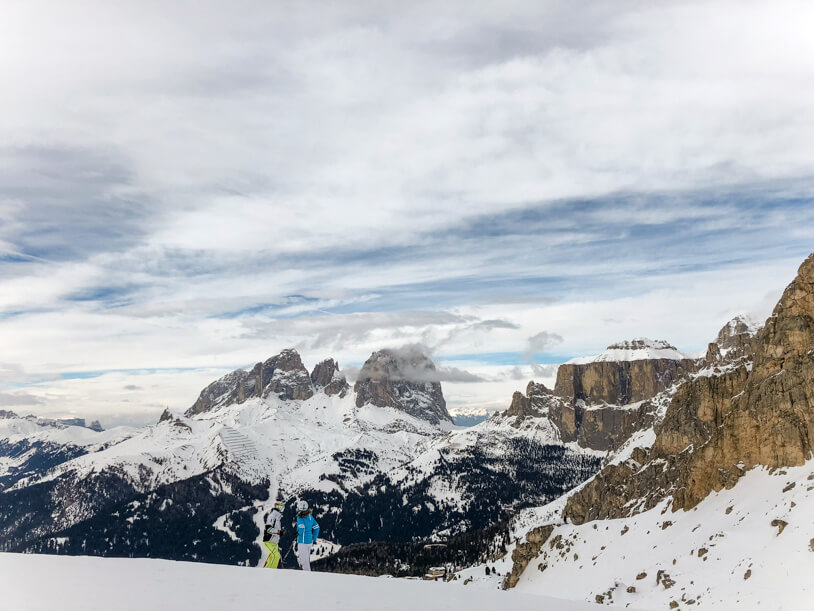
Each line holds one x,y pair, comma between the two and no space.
307,529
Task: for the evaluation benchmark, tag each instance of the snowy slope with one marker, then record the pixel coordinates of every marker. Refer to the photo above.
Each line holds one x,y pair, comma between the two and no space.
292,443
29,446
115,584
728,552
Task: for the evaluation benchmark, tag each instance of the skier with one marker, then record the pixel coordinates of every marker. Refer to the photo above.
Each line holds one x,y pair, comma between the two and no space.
272,533
307,534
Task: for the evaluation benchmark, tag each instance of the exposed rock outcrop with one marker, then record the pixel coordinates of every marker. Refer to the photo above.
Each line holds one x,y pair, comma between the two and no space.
166,416
534,404
326,376
283,374
603,427
718,427
234,387
620,382
288,377
405,379
525,552
735,342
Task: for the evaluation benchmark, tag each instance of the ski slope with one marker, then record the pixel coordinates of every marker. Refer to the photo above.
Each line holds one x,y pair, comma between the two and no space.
45,583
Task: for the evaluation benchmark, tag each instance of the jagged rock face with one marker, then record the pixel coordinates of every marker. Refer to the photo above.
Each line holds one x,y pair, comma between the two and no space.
716,428
520,406
525,553
166,416
697,410
283,374
772,421
7,414
234,387
600,428
403,379
619,382
289,378
326,375
736,341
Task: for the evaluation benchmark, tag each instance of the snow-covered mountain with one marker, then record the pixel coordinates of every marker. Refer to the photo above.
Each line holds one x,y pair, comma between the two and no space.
387,447
712,505
30,445
389,474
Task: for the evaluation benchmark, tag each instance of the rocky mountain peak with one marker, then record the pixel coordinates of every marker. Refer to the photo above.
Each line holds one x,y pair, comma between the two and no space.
166,416
719,426
735,341
6,414
283,374
536,403
326,376
405,379
537,389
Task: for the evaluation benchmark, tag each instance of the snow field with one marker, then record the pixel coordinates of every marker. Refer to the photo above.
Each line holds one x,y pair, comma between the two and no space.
44,583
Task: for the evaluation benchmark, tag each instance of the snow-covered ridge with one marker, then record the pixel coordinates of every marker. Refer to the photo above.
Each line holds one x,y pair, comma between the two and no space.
637,349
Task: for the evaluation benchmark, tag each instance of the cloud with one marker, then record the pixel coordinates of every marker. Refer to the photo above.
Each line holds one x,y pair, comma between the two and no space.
18,399
412,363
451,175
541,342
544,371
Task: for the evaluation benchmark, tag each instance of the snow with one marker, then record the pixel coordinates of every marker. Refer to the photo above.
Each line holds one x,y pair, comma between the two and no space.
291,441
638,349
162,584
744,562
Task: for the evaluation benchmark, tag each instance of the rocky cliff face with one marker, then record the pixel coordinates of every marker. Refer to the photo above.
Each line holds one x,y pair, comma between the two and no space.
326,376
283,374
735,342
640,372
599,427
719,426
404,379
287,377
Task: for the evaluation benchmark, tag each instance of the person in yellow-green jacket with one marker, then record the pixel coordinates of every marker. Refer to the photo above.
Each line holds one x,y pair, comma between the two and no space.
272,533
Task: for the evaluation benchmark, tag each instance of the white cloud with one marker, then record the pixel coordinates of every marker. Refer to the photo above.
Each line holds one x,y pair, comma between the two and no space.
420,173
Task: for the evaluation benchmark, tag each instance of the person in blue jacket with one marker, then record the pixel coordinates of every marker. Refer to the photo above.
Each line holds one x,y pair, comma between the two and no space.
307,534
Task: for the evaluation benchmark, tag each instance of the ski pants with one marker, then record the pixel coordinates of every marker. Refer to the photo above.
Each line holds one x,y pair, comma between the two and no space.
304,555
274,555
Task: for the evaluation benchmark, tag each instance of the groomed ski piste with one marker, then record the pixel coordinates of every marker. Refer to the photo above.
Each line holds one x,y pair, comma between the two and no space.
35,582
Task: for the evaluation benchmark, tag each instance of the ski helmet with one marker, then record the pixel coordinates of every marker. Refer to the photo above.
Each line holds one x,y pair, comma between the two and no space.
302,506
279,506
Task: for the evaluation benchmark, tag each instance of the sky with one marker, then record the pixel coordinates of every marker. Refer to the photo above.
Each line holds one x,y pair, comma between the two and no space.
187,188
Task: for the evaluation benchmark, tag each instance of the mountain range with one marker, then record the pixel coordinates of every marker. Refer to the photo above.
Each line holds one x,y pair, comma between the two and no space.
639,438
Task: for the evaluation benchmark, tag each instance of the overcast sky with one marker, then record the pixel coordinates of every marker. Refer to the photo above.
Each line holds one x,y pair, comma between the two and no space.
189,187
